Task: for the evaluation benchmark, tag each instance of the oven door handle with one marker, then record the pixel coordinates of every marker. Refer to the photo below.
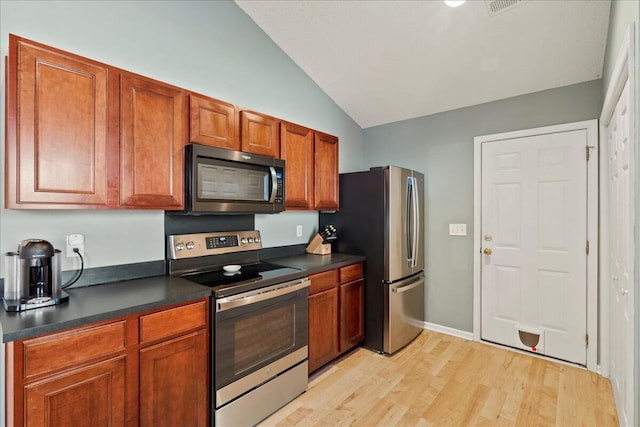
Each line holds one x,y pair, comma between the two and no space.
261,294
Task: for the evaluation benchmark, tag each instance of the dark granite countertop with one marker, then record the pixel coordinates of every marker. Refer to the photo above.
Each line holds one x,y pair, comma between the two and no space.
102,302
311,264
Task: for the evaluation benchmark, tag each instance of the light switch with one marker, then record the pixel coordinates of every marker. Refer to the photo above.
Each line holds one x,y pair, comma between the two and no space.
457,229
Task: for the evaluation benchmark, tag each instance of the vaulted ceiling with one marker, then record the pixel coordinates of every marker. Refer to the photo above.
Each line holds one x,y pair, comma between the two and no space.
385,61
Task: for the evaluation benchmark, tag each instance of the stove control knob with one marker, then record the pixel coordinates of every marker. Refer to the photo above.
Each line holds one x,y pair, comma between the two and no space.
190,245
179,246
243,240
257,240
250,239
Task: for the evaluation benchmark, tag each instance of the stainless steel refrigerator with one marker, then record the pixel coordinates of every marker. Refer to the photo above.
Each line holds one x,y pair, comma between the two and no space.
381,216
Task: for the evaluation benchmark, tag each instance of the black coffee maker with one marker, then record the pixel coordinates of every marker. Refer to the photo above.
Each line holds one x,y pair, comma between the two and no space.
33,276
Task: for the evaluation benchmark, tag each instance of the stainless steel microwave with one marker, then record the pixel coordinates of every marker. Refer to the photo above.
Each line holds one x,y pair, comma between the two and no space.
227,181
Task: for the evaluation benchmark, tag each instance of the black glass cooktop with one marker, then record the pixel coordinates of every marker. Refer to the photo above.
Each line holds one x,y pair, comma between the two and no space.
249,277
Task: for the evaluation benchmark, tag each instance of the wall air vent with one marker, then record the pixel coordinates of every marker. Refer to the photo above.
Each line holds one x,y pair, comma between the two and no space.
496,7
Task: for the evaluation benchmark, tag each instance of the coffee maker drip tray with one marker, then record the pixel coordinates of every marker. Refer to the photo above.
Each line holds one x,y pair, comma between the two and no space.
35,302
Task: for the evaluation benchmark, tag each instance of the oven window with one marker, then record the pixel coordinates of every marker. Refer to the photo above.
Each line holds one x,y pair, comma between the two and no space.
263,336
223,182
252,336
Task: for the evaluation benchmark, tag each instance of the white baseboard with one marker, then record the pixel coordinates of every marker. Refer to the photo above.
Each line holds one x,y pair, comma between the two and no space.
449,331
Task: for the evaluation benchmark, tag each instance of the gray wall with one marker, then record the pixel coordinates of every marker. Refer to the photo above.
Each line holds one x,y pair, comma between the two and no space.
211,47
624,12
441,146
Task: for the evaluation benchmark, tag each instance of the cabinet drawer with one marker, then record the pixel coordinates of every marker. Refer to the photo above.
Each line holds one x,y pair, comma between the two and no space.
65,349
173,321
323,281
351,273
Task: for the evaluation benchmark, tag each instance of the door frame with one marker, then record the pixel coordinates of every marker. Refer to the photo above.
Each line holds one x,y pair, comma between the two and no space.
591,127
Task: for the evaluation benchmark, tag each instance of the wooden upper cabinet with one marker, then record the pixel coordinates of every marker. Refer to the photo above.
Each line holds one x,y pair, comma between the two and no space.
57,125
213,122
326,194
154,119
296,148
84,135
259,134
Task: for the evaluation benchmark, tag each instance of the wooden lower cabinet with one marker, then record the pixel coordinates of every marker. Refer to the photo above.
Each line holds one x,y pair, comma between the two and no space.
323,328
84,397
336,313
111,375
173,391
351,314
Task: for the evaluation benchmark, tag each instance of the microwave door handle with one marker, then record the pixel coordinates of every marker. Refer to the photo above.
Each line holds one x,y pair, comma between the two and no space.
274,184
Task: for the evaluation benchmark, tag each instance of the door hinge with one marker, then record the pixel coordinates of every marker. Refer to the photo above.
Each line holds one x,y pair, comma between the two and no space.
586,340
588,149
587,247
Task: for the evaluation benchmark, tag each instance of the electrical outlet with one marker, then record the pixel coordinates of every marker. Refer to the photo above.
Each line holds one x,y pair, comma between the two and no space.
298,231
75,241
457,229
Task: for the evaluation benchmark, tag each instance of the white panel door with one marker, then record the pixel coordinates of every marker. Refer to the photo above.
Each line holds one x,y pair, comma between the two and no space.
534,236
620,226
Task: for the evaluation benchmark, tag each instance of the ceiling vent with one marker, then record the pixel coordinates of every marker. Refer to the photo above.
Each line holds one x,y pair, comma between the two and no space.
496,7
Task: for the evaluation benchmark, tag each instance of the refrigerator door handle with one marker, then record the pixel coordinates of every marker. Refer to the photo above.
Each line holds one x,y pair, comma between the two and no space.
416,220
409,222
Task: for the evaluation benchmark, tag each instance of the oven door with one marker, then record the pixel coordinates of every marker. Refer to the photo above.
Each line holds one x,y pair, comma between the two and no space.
258,335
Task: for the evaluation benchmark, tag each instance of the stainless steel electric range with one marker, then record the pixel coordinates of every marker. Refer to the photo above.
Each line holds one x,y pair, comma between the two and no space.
259,327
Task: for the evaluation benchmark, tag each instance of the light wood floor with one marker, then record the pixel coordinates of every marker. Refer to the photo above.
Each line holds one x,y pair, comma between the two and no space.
443,380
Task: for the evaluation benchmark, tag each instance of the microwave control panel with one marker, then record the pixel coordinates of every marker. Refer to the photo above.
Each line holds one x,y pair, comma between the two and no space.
280,189
202,244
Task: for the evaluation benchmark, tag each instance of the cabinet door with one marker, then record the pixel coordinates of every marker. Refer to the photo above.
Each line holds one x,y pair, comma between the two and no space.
57,122
154,132
260,134
323,328
351,314
88,397
174,380
326,172
213,122
296,148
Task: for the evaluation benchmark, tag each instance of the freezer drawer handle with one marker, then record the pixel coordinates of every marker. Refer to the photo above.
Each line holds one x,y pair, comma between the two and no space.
407,288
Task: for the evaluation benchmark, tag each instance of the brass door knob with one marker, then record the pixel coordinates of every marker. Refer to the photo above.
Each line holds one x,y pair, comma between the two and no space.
487,251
